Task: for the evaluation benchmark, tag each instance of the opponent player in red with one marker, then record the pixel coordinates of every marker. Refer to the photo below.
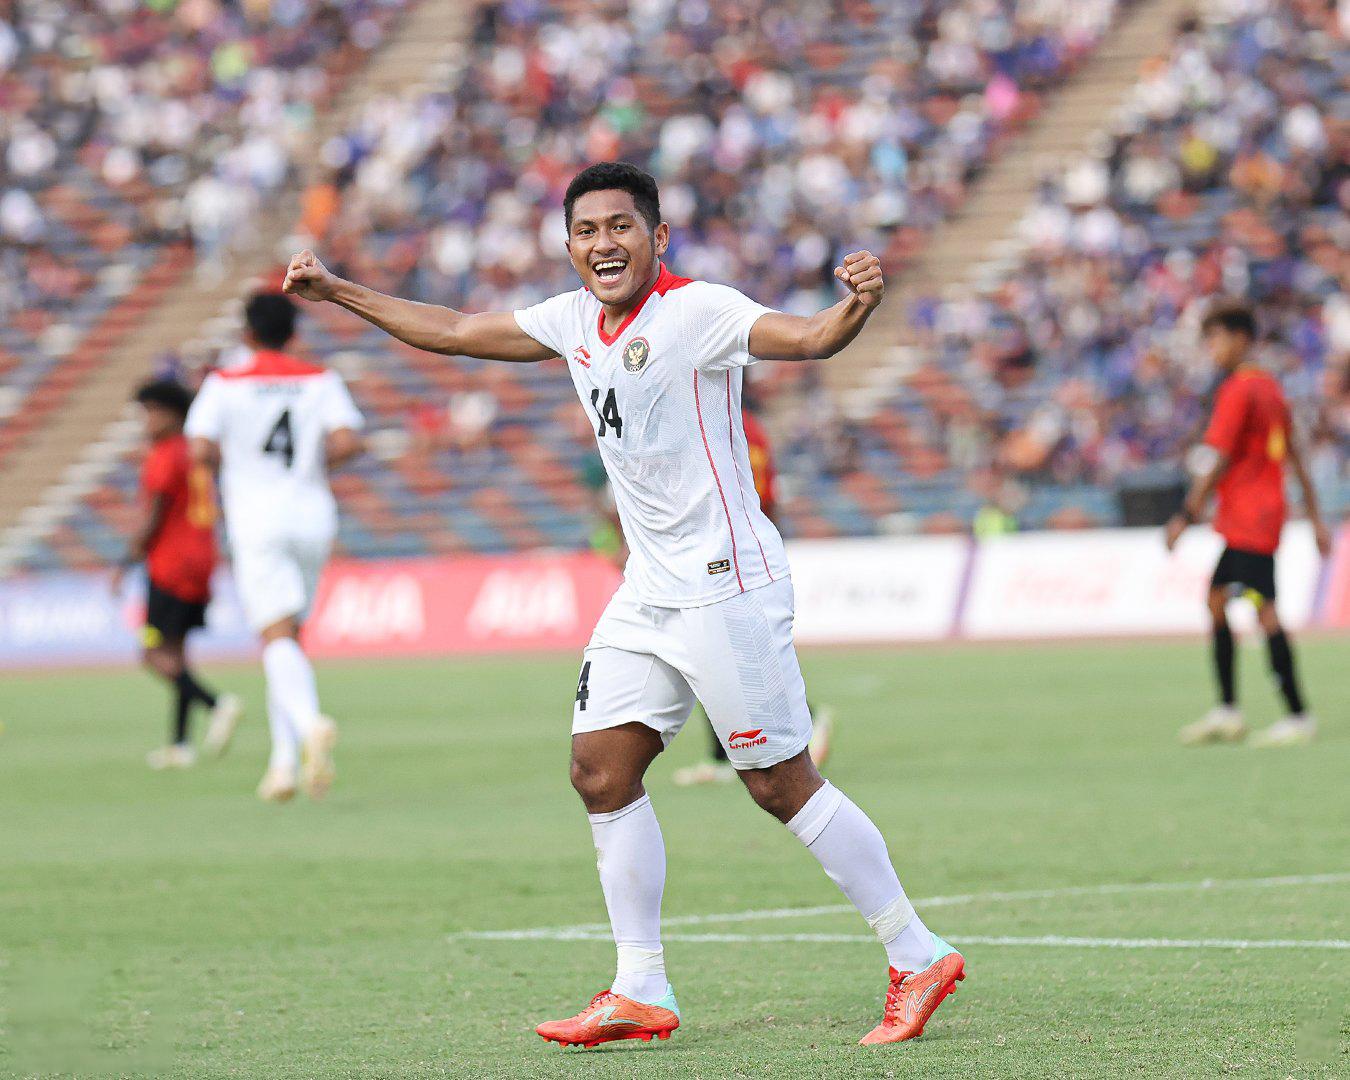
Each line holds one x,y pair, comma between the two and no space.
705,610
176,540
1251,438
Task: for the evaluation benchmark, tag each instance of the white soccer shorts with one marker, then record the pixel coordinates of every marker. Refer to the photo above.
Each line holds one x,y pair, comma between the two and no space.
278,577
650,664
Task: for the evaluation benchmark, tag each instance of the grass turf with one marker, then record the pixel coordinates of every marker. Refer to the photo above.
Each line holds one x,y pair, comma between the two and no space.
170,925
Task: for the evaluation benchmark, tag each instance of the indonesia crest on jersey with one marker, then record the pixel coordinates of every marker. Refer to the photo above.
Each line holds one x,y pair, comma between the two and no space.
664,395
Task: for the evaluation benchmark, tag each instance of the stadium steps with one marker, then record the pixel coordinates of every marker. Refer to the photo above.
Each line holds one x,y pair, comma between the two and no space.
47,468
969,248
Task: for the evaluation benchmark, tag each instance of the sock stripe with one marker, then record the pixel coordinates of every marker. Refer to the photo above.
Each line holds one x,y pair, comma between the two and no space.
819,810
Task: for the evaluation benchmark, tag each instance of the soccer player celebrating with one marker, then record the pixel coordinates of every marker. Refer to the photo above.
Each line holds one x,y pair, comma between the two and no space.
705,610
176,540
274,426
1251,439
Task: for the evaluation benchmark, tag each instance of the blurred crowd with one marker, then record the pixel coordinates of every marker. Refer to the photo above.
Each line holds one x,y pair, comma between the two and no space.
1228,173
780,131
145,122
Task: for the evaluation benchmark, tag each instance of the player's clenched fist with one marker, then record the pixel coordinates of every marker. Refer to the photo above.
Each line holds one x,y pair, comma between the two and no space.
308,278
861,272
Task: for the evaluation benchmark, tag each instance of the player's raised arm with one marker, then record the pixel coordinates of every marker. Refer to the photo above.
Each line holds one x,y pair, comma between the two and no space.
487,336
778,336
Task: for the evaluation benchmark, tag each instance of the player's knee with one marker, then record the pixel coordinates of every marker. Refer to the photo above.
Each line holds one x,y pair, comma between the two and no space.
1218,608
283,628
1269,618
783,789
771,793
602,787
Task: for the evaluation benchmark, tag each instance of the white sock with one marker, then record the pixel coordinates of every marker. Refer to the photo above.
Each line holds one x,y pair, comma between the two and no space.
631,857
291,678
854,855
285,745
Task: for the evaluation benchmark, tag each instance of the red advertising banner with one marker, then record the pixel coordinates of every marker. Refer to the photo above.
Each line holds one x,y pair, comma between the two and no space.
405,607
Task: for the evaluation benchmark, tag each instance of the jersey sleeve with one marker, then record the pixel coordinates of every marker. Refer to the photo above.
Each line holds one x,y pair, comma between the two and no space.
337,409
206,417
718,321
548,323
1230,413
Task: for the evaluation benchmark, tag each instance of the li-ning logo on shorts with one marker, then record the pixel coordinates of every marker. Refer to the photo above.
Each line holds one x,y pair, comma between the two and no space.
719,566
754,737
635,355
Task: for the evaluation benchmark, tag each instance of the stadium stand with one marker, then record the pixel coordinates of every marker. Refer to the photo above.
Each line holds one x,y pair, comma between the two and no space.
134,134
98,101
1223,174
891,114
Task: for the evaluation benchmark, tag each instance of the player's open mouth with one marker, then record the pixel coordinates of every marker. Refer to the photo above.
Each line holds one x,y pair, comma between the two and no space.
610,270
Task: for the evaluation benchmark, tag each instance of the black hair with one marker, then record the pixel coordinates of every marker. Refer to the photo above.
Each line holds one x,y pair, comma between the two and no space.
616,176
166,394
1231,315
271,318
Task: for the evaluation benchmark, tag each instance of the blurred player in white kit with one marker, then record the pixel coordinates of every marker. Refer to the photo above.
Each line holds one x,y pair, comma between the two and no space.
274,425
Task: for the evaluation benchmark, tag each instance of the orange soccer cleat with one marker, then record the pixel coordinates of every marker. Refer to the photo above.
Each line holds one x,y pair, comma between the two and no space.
914,996
612,1016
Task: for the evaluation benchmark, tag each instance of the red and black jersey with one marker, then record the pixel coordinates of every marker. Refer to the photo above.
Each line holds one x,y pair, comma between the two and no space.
1251,426
182,553
761,465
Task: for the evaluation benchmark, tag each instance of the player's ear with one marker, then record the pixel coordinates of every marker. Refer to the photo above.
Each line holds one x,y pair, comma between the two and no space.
661,238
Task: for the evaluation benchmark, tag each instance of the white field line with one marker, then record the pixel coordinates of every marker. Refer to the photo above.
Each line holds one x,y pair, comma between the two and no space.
600,931
963,940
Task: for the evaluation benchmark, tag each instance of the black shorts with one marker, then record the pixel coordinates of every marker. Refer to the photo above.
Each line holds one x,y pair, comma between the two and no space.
1248,569
169,618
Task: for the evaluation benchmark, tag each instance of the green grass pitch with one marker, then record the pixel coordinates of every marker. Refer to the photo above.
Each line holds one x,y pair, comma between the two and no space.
170,925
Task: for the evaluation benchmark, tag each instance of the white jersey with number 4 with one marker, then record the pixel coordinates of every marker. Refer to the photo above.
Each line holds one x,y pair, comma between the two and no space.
271,417
664,394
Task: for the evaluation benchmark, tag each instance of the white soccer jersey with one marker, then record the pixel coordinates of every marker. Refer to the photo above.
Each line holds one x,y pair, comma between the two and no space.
664,394
270,417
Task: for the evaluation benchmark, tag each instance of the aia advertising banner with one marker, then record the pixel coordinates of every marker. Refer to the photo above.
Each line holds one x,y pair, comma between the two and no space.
409,607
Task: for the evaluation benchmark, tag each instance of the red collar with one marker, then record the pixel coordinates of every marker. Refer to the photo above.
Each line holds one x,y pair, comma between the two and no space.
665,281
269,364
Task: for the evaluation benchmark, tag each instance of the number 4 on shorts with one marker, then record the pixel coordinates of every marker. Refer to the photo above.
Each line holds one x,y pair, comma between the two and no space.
584,686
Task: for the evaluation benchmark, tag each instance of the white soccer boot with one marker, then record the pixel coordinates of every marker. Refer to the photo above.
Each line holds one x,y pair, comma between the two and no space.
1223,723
1291,731
705,772
277,785
173,756
225,718
316,759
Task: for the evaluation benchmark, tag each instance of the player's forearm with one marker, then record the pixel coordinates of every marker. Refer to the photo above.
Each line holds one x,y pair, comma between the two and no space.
1198,497
832,329
423,326
1311,507
145,533
341,446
